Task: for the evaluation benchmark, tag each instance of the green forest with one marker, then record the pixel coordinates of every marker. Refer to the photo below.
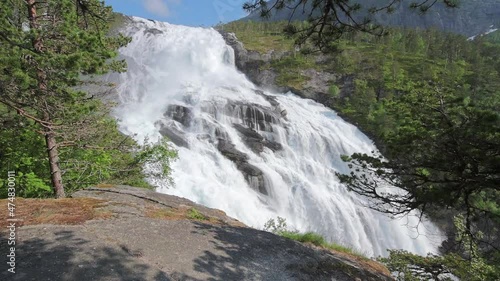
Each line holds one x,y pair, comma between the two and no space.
431,102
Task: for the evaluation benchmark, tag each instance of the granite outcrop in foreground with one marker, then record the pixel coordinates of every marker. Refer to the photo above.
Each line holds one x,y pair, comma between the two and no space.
126,233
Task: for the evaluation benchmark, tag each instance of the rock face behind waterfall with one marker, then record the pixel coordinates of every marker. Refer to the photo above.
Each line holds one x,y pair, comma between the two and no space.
123,233
251,118
258,68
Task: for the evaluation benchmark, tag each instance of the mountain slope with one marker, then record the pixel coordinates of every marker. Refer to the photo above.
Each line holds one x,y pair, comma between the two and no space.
471,18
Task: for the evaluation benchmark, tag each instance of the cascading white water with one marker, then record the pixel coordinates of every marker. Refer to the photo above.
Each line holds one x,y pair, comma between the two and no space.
182,81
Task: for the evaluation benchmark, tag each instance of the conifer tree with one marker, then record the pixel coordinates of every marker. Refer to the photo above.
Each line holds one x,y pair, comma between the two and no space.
45,48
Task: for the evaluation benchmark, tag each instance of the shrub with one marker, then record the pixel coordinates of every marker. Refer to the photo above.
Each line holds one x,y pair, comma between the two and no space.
334,91
195,215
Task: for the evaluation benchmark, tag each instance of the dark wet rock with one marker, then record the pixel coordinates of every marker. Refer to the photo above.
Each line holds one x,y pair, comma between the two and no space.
253,115
230,152
255,145
256,141
274,146
271,99
248,132
205,137
180,114
152,31
253,175
221,134
173,134
250,170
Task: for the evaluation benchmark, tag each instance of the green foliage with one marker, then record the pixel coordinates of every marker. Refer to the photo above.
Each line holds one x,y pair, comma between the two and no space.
195,215
334,91
111,158
493,37
276,226
21,150
157,156
260,36
308,237
411,267
318,240
279,227
27,185
289,70
42,98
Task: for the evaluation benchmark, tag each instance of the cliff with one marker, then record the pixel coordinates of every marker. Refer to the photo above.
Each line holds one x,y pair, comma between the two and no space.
315,84
126,233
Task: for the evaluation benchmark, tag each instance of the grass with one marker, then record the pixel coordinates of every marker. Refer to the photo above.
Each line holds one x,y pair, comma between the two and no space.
318,240
67,211
177,214
289,68
187,213
194,214
261,37
162,213
349,253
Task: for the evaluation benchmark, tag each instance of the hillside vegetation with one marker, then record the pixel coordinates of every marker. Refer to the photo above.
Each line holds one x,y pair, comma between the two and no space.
383,67
470,18
431,101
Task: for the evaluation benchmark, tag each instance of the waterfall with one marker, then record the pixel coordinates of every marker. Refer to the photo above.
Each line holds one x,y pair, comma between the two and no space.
255,155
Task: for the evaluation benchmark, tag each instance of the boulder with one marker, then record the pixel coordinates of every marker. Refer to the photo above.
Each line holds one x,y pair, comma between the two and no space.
230,152
253,175
256,141
180,114
271,99
152,31
253,115
173,134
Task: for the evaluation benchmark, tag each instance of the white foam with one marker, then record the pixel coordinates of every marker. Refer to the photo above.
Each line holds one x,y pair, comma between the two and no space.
194,66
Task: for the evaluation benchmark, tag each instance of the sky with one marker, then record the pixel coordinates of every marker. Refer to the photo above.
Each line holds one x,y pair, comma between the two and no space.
184,12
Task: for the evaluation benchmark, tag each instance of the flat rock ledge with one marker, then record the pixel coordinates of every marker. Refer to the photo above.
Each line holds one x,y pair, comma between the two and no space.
127,233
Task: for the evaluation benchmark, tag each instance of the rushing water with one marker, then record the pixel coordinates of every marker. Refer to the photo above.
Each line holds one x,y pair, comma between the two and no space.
184,79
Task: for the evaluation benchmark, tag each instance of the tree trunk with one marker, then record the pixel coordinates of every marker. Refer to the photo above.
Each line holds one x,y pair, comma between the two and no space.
55,172
50,139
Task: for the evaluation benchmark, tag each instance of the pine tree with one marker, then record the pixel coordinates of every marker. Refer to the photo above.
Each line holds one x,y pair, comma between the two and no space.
45,48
